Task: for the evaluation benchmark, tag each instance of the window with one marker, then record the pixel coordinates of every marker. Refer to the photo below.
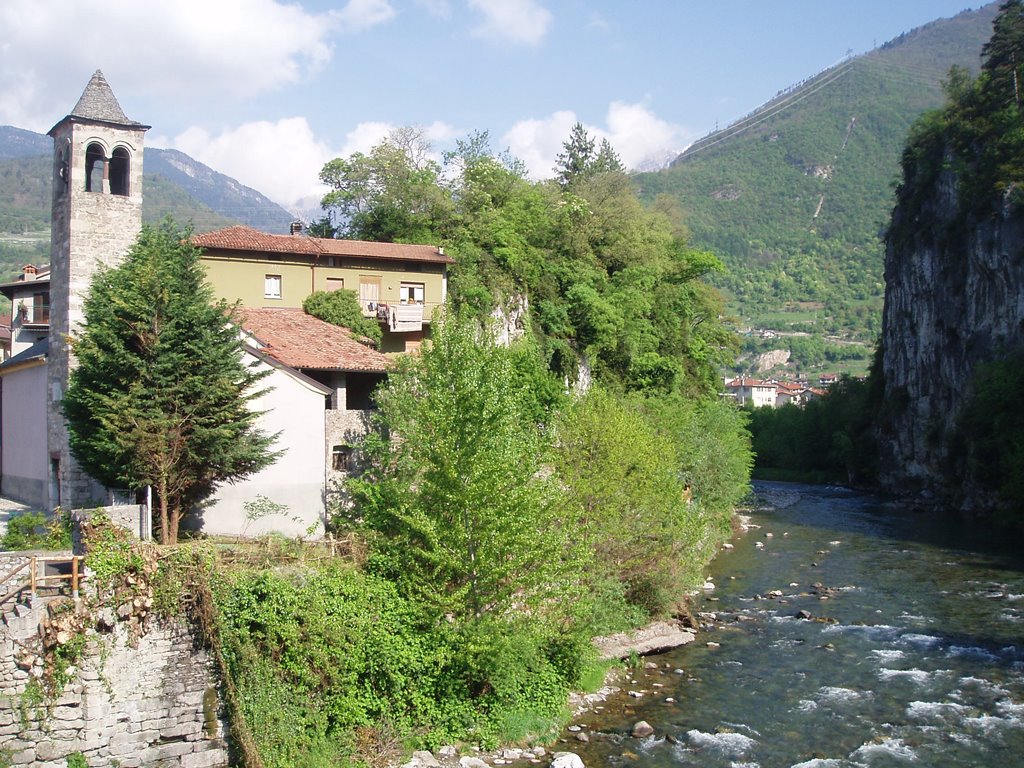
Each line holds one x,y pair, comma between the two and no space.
369,292
335,284
411,293
272,287
343,458
40,307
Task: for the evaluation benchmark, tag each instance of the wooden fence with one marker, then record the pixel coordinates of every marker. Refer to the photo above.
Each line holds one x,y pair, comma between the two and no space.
37,577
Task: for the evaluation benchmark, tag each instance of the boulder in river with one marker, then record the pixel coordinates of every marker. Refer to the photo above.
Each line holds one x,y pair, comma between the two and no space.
641,729
566,760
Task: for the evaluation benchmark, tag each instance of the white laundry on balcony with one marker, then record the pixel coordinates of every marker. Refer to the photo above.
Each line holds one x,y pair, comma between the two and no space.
405,318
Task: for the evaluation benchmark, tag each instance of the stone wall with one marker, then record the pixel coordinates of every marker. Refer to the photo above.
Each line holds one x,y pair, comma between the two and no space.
151,703
343,428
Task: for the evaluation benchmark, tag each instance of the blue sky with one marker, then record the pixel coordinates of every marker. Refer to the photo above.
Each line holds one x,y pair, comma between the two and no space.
268,90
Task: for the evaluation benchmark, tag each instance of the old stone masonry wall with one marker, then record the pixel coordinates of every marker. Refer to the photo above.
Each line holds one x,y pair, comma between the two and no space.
151,702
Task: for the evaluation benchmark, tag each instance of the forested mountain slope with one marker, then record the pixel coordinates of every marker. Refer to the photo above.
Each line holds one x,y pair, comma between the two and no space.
794,197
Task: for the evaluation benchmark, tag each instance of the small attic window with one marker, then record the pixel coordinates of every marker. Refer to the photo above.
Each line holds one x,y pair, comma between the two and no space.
120,166
95,163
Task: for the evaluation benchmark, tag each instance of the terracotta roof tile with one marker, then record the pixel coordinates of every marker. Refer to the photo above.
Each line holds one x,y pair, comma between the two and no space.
240,238
305,342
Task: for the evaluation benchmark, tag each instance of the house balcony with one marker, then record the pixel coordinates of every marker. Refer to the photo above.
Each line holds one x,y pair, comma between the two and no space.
34,317
401,318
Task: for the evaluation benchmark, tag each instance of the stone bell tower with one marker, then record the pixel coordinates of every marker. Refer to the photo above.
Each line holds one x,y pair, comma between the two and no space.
96,217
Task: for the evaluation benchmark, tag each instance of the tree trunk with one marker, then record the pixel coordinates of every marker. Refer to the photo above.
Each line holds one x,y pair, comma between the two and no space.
175,516
164,525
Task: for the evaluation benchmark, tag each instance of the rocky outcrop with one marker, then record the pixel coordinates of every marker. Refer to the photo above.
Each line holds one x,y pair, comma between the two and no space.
954,299
771,359
654,638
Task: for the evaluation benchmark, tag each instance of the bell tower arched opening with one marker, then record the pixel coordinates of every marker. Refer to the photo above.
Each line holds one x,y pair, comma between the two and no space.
119,171
95,168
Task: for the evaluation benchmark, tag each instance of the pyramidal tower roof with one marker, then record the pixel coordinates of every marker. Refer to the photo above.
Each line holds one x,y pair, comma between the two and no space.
98,103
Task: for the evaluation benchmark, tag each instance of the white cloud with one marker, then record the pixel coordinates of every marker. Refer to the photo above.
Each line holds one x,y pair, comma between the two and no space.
516,21
281,159
365,137
639,136
636,134
360,15
538,142
192,51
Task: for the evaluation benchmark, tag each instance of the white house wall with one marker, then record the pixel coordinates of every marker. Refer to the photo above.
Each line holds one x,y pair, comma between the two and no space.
295,409
25,466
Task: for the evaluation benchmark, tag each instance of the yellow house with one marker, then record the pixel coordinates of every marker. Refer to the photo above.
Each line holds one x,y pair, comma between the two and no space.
398,284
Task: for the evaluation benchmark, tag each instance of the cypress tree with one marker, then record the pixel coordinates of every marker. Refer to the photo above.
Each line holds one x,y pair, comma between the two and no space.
161,393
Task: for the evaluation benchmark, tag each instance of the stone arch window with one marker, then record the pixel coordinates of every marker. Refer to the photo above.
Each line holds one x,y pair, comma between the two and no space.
95,168
120,166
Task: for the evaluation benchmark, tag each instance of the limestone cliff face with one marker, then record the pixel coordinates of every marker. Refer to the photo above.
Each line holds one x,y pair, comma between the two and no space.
954,299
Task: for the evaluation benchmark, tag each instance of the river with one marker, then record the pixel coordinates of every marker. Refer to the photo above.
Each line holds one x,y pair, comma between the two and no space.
913,655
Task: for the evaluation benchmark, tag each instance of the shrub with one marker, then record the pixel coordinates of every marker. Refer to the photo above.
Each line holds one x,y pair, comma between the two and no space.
342,308
31,530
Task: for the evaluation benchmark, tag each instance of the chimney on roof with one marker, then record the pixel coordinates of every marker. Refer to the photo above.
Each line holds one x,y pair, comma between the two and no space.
29,272
296,228
440,250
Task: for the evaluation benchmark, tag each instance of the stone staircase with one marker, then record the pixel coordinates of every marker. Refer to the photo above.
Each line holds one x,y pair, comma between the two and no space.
20,613
20,620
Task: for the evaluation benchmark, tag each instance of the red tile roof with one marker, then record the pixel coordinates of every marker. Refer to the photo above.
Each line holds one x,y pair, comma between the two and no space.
303,341
241,238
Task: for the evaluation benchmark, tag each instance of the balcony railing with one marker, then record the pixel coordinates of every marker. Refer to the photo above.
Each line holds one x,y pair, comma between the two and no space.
34,314
400,317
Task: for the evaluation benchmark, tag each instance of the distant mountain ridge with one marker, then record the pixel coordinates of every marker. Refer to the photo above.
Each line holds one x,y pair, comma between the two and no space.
175,184
794,196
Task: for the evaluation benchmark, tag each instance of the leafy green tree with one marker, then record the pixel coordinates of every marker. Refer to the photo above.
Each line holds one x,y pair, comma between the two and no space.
829,439
464,519
990,450
161,394
604,278
390,195
629,503
715,456
342,308
579,161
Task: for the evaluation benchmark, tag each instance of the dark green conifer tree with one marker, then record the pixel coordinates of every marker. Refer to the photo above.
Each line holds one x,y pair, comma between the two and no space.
160,396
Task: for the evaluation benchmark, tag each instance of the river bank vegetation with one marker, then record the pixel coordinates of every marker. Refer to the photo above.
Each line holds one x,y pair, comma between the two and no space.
514,499
499,529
